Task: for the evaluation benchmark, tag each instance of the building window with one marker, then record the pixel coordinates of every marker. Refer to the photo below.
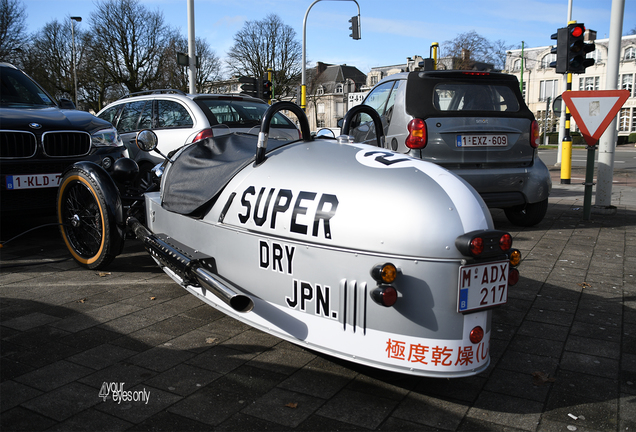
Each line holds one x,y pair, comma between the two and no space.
320,90
627,82
547,59
588,83
374,80
340,109
548,89
630,53
320,108
624,120
321,124
516,65
339,88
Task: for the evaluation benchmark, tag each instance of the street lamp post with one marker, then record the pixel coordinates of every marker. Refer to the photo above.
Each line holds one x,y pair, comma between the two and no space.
78,19
303,84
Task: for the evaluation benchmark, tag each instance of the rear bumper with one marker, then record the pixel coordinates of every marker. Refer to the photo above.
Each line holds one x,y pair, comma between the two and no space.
509,187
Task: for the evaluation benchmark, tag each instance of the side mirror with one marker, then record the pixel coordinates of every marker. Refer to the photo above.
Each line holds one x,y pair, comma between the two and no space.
146,140
66,104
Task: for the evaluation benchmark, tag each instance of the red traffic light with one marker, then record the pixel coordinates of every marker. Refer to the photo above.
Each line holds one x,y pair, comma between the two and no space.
578,30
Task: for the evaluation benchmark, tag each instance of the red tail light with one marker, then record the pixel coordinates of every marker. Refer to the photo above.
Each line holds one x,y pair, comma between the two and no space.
484,243
205,133
384,295
505,242
476,246
417,138
476,335
535,134
513,276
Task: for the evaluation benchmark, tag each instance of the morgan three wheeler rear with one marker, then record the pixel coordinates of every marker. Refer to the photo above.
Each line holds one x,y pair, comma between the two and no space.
312,242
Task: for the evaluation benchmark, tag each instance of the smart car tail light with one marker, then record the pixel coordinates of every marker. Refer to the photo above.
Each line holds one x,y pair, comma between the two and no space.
535,134
417,138
205,133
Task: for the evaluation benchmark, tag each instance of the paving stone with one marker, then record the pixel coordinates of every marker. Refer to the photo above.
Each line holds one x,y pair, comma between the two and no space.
54,375
284,407
64,402
358,408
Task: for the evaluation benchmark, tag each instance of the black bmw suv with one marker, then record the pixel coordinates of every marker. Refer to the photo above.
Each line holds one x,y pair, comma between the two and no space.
39,138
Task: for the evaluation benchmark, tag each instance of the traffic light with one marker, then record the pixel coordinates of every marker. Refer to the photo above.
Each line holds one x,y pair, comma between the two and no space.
267,89
561,51
355,27
578,49
249,86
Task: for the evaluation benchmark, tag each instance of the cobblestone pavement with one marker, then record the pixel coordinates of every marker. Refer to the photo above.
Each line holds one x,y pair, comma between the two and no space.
563,349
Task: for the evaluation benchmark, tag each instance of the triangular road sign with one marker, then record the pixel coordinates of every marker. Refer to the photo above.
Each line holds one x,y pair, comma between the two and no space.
594,110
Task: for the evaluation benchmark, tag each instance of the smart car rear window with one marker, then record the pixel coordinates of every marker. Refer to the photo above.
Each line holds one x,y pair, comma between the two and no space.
474,97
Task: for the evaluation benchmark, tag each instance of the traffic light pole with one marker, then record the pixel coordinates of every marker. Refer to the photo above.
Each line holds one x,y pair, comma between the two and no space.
566,145
303,81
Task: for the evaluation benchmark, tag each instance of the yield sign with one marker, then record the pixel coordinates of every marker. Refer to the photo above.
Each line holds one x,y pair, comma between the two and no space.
594,110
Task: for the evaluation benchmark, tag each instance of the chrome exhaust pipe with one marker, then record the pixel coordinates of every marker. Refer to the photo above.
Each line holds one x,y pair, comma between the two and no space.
219,286
188,269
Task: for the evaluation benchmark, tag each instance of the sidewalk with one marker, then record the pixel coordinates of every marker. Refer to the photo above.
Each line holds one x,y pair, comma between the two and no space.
563,349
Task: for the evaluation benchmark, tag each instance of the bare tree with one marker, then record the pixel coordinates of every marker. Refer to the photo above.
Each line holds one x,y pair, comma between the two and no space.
97,86
50,58
470,47
269,43
499,53
12,35
130,42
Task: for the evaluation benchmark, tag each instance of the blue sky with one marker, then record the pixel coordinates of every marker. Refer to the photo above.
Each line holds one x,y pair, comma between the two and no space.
391,30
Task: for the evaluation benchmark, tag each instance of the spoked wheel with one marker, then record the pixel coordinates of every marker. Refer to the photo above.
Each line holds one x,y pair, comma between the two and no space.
86,223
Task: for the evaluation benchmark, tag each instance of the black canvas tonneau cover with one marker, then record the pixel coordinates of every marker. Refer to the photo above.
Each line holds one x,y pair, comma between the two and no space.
201,171
420,99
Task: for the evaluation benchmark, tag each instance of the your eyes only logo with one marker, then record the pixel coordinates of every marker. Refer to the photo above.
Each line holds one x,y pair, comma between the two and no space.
119,395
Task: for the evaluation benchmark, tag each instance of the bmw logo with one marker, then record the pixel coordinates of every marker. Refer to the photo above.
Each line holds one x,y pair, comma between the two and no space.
35,125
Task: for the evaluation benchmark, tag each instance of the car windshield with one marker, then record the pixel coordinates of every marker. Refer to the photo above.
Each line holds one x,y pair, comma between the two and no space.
237,113
474,97
18,89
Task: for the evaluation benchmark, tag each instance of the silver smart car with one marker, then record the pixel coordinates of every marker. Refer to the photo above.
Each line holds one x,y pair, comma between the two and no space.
475,124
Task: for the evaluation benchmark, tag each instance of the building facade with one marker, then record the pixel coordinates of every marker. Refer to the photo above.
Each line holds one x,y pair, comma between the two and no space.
328,87
541,84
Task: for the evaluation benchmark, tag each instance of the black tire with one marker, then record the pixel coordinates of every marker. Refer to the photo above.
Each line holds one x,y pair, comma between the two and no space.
86,222
528,215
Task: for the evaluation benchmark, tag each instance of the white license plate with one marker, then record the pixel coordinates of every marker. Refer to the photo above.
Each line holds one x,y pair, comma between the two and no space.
482,140
482,286
32,181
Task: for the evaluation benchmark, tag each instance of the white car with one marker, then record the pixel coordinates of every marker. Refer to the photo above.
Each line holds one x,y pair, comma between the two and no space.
178,119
